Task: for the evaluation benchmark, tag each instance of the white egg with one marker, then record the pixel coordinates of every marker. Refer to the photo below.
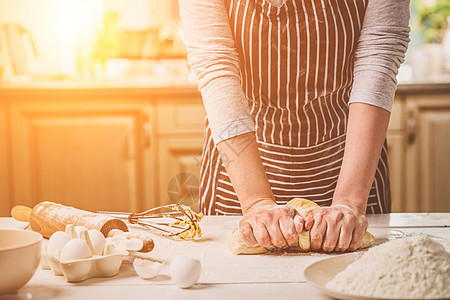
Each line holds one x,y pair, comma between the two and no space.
56,243
146,269
185,271
98,241
75,249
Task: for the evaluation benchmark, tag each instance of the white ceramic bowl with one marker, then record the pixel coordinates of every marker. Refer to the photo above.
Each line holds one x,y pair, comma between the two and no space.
20,253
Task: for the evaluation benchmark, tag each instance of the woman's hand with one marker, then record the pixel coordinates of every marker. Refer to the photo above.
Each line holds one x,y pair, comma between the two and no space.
271,226
338,227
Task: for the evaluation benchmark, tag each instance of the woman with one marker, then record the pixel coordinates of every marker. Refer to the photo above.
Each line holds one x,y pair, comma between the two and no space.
298,95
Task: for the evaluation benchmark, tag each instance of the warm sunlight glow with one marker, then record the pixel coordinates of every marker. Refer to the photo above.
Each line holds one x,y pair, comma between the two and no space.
95,38
79,22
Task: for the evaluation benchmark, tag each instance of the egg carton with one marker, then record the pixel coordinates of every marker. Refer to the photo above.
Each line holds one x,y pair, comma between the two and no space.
82,269
105,264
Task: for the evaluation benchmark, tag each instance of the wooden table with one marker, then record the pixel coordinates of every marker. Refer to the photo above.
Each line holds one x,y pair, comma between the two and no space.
224,276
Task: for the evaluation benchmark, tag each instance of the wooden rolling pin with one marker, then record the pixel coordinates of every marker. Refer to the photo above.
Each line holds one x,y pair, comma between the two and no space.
48,218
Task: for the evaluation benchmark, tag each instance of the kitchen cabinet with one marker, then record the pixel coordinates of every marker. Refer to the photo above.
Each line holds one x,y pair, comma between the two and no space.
181,125
81,149
418,149
427,153
4,178
130,149
396,145
181,117
396,170
179,170
116,149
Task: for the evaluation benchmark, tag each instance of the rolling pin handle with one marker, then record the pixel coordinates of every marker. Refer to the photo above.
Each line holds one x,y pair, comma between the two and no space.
21,213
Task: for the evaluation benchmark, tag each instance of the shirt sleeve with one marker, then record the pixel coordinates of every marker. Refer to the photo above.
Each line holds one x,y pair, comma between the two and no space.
380,50
214,60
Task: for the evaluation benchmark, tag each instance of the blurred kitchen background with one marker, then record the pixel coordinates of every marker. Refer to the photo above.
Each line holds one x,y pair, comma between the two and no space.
99,110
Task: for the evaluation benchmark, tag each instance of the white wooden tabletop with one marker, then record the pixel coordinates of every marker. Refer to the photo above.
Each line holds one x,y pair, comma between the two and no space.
224,276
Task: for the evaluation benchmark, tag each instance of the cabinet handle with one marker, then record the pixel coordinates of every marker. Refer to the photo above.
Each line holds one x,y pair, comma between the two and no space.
411,128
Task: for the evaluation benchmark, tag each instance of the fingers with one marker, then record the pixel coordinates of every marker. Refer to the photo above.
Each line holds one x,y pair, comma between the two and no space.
358,234
262,236
309,221
299,223
289,231
319,229
336,229
331,235
247,234
272,227
345,237
272,221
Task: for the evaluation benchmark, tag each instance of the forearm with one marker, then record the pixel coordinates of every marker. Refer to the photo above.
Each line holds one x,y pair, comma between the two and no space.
242,160
380,51
366,132
264,223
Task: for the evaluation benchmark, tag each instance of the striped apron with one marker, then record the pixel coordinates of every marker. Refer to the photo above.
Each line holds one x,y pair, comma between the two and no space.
296,64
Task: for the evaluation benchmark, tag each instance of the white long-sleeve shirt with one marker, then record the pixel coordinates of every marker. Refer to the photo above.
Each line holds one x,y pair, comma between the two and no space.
214,59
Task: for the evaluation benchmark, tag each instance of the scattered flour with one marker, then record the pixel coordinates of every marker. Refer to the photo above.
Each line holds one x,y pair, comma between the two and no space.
414,268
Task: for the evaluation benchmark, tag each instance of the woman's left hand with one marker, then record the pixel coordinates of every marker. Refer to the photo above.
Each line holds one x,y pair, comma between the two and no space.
336,228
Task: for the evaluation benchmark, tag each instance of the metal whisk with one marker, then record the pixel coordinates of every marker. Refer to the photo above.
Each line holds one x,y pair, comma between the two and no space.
174,220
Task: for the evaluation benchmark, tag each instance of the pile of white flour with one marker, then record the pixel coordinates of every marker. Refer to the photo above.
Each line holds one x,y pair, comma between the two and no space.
413,268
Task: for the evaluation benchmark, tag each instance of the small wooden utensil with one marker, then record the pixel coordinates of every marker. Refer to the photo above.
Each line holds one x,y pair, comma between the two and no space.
21,213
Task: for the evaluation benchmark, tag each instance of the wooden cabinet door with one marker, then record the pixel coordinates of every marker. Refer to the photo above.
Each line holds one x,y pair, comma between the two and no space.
179,170
428,154
396,170
86,154
183,117
181,125
434,160
396,150
5,199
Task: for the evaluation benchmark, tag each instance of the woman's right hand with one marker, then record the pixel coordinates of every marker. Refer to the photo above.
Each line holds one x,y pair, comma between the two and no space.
264,223
271,225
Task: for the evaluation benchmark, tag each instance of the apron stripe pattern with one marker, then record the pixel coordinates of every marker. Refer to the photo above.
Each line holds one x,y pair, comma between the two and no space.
296,64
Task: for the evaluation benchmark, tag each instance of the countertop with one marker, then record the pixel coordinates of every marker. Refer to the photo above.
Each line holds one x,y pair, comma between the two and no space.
79,88
154,84
224,276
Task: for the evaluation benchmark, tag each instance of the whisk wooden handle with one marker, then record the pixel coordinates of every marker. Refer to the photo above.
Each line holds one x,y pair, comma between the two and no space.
48,217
